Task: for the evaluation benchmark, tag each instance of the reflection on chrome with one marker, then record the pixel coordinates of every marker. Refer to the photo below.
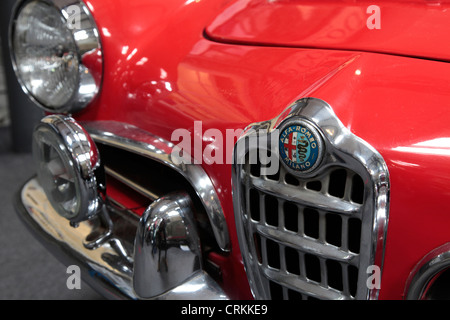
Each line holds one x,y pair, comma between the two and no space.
161,260
108,267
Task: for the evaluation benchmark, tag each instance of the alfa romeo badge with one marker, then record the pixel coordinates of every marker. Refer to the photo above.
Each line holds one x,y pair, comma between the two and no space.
301,146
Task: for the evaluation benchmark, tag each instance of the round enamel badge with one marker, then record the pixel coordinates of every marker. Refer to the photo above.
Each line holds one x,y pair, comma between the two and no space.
300,146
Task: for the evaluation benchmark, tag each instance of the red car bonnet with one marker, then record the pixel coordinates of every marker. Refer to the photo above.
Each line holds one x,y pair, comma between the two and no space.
409,28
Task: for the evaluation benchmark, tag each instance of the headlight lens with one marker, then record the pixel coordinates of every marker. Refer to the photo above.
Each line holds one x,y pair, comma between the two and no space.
67,162
48,53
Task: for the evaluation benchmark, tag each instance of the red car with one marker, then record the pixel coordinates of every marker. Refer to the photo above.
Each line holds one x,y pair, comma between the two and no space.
241,149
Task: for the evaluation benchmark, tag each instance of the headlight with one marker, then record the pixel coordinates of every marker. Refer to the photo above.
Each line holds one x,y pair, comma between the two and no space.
56,53
68,167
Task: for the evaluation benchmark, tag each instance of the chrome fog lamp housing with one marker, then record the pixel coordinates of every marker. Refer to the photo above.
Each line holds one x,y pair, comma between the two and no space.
68,167
56,53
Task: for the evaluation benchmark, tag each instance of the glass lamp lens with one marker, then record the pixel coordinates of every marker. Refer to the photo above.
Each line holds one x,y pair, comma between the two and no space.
57,177
45,54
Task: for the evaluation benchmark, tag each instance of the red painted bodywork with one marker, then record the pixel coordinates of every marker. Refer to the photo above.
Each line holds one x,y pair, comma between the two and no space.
413,28
161,73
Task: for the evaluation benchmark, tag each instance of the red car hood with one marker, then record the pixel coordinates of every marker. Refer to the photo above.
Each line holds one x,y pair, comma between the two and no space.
409,28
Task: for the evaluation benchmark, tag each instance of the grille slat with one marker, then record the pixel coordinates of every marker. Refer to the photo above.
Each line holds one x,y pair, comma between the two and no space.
322,228
306,244
307,287
132,184
345,281
348,186
323,273
307,197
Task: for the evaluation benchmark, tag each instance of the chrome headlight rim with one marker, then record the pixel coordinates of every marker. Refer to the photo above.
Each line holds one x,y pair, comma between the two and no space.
89,81
80,155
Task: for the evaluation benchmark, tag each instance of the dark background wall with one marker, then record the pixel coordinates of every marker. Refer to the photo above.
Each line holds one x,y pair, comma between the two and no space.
23,114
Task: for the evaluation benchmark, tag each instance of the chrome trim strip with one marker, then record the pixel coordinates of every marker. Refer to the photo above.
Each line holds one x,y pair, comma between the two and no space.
133,139
428,267
109,266
143,191
88,43
343,149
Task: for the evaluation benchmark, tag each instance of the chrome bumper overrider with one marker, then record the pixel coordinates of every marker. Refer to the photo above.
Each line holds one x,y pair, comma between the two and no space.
105,257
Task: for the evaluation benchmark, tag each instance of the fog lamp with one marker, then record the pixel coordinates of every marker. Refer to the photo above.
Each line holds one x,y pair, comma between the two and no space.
68,167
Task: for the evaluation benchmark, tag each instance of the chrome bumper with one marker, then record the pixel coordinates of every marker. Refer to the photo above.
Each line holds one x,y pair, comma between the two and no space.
106,263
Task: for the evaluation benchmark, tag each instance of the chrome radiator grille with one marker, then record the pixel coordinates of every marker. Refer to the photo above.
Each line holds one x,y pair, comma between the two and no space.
314,236
306,242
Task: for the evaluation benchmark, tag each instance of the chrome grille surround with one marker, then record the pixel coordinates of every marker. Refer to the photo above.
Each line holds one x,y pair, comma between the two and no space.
265,240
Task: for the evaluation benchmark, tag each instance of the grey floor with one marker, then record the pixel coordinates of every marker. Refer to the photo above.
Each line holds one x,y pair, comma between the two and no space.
27,269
